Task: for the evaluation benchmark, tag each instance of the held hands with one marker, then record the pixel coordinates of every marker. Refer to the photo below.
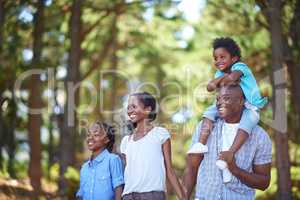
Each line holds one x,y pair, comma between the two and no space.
184,197
228,157
183,192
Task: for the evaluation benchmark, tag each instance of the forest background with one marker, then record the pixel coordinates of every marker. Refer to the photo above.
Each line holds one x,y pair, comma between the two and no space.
65,64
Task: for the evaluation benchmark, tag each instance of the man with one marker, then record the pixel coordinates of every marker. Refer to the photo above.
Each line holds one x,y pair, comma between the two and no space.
250,167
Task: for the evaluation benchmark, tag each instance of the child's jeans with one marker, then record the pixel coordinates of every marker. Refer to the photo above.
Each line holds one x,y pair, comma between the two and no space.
249,120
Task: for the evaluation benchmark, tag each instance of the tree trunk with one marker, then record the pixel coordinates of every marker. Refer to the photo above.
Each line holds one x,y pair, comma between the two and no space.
69,132
53,118
292,58
2,14
10,137
114,67
35,102
279,108
2,139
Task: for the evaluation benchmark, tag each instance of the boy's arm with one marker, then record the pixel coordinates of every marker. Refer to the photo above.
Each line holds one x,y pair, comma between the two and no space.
118,192
231,78
116,170
215,83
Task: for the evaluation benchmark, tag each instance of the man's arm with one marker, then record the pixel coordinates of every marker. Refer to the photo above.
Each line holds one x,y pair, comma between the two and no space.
258,179
190,174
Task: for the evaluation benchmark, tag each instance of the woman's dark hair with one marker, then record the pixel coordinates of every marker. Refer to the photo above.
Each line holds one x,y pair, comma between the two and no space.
110,132
229,44
148,101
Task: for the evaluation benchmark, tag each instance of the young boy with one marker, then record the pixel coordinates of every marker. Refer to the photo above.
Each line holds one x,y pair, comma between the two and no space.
230,70
101,177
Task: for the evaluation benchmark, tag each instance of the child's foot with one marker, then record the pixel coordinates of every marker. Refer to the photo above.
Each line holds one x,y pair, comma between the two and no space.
198,148
222,165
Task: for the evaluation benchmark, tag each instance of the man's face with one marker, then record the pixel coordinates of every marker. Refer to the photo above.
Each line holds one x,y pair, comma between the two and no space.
229,103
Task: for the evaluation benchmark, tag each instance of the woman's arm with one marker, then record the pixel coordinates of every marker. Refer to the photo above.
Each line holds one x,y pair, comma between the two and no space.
170,171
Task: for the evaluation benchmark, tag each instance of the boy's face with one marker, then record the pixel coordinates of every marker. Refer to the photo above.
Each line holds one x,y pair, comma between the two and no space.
223,59
96,138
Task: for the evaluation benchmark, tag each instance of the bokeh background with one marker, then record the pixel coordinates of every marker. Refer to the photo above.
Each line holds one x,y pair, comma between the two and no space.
67,63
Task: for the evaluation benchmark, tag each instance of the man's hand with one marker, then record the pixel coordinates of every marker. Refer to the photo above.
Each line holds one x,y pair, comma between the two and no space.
228,157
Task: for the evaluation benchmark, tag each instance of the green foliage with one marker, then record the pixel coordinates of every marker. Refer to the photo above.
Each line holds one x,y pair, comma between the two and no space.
270,193
72,177
153,49
54,172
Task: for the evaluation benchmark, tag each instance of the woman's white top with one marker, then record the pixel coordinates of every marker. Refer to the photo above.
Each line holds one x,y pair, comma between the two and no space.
145,168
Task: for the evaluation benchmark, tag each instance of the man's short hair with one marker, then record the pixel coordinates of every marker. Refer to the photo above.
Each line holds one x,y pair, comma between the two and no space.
235,87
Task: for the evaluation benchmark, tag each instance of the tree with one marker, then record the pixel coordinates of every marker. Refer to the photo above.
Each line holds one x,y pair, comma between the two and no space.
35,101
8,118
1,90
68,131
278,76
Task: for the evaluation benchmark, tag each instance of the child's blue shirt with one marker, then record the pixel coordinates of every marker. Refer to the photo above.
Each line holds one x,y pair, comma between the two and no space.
248,85
99,177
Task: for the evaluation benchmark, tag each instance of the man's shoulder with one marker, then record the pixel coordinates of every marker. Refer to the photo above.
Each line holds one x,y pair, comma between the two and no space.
260,134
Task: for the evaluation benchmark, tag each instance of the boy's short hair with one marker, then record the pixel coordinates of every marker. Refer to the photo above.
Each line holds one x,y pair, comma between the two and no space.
229,44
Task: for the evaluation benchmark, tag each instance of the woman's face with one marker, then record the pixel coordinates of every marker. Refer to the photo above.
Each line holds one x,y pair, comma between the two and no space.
96,138
136,110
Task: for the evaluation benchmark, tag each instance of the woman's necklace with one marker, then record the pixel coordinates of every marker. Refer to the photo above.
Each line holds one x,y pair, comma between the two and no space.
137,136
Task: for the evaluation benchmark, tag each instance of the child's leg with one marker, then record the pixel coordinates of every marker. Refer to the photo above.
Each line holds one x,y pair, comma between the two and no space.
249,120
206,128
209,117
211,112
